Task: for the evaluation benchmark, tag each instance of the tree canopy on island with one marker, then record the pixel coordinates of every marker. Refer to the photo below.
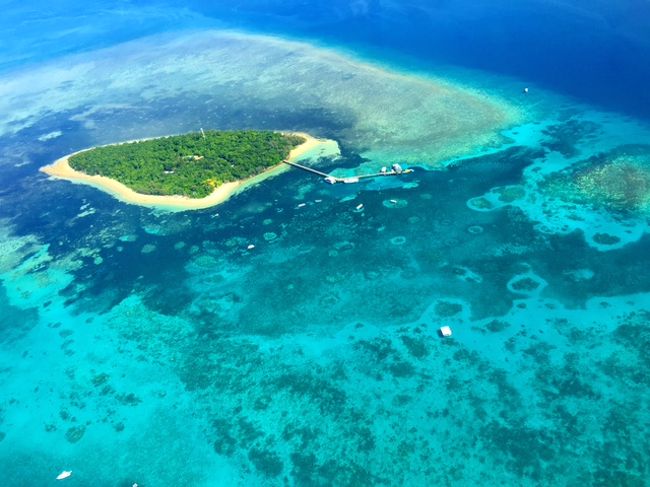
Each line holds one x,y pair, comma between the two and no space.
190,165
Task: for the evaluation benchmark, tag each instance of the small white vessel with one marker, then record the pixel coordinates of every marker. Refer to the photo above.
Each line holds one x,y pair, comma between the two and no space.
301,205
445,331
64,475
393,201
359,206
250,247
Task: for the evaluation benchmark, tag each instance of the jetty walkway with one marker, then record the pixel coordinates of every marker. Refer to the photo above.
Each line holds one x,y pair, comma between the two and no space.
396,170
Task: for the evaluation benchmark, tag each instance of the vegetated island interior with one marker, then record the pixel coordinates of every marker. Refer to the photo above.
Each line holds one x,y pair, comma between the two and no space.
191,165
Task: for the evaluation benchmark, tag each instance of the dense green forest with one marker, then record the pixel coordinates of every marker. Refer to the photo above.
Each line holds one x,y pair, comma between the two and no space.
189,165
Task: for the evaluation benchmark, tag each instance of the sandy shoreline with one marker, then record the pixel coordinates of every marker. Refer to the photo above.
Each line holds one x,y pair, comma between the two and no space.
61,169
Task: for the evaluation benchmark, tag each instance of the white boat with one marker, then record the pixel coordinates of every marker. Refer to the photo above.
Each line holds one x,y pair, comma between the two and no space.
445,331
64,475
250,247
359,206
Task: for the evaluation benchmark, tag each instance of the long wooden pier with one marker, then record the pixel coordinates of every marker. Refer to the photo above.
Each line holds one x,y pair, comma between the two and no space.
306,168
352,179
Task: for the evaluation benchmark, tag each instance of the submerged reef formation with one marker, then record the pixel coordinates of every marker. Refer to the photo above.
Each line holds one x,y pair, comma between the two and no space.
241,80
588,173
618,180
162,346
565,136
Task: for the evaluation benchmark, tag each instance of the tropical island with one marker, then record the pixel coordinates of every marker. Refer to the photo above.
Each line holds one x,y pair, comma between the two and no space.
188,171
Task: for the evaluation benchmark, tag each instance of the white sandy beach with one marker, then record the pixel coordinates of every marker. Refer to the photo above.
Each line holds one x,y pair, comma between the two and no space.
60,169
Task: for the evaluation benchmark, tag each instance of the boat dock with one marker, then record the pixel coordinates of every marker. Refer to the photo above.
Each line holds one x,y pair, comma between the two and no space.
396,170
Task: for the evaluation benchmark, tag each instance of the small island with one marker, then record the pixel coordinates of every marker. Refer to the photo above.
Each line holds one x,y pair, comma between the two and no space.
189,171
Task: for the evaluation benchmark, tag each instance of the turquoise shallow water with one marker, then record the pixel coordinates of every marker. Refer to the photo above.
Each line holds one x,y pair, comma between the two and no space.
153,347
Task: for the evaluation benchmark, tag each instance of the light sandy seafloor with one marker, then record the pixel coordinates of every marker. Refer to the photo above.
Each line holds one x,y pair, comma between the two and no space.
312,147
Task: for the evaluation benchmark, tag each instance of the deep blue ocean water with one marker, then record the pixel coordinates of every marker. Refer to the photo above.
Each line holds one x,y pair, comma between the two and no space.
152,347
596,51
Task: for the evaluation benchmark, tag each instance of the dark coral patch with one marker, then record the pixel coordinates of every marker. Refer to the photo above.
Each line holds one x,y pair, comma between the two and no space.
75,433
525,284
446,309
266,462
606,239
564,137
